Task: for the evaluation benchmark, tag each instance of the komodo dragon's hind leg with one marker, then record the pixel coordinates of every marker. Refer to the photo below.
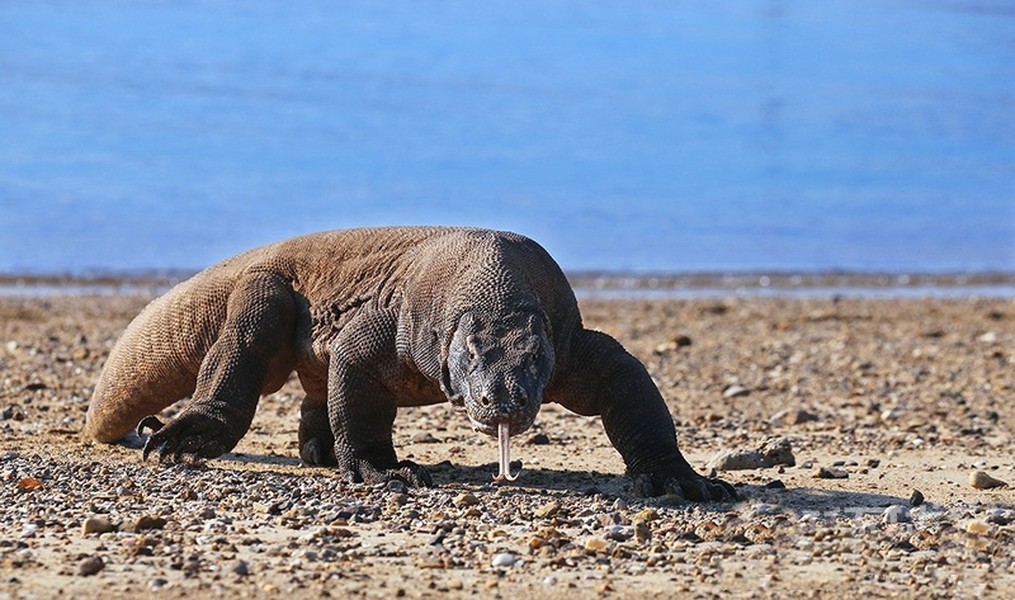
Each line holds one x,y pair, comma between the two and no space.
252,355
604,379
362,405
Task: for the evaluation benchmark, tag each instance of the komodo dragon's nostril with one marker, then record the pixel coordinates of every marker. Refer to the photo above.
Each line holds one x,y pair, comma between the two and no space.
484,400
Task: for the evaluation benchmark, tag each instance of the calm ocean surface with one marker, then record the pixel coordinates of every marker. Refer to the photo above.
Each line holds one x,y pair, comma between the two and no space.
874,135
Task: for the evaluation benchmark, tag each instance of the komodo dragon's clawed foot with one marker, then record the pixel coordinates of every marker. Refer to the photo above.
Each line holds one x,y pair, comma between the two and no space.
690,486
407,471
189,435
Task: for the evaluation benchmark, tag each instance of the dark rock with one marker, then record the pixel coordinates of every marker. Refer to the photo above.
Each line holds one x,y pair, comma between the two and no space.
916,499
91,566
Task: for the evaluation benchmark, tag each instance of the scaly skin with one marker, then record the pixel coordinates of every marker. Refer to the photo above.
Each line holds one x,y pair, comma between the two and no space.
375,319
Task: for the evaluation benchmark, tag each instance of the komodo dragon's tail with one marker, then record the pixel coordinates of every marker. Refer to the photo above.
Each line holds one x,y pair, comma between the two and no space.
156,360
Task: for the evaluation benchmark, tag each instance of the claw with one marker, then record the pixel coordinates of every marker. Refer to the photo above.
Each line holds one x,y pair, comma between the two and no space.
150,422
154,424
148,448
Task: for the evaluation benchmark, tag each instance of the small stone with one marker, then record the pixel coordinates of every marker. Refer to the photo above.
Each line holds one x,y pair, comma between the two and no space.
977,527
147,522
241,568
736,460
596,544
735,391
774,451
465,499
503,559
776,484
539,439
91,566
983,481
895,513
157,584
999,516
646,514
432,559
642,532
830,473
916,499
988,338
29,484
793,416
424,437
680,341
96,525
619,533
548,510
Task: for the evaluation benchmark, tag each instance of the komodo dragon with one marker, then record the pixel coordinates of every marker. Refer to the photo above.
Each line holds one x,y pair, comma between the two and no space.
375,319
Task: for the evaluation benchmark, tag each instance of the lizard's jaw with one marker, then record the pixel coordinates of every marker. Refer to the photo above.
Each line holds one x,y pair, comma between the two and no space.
516,424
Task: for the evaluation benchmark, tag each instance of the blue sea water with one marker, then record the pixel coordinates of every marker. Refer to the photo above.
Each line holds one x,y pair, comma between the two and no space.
873,135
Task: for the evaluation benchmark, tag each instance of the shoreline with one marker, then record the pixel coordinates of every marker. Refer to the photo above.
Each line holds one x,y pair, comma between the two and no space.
607,284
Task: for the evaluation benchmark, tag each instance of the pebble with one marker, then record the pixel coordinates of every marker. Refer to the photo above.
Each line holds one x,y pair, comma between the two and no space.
596,544
773,452
642,532
91,566
465,499
735,391
157,584
977,527
830,473
503,559
548,510
147,522
240,567
792,416
539,439
983,481
679,341
916,499
999,516
424,437
895,513
96,525
646,514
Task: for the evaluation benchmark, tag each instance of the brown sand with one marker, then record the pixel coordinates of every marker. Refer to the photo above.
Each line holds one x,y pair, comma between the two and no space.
900,395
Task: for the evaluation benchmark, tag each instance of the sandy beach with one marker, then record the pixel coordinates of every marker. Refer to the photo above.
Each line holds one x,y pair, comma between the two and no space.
889,407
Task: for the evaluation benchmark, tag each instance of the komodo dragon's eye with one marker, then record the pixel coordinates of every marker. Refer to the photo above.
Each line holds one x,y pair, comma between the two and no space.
471,344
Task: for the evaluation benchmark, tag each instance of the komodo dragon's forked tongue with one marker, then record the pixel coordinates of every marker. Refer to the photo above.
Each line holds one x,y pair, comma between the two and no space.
504,441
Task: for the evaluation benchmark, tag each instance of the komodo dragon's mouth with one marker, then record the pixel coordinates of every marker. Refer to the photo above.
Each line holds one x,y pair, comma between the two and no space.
503,430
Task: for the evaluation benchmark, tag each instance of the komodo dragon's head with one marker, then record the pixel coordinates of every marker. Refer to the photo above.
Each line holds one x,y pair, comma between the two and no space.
497,367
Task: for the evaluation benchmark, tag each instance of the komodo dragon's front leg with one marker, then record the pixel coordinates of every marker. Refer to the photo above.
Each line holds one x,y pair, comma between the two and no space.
364,370
252,355
602,378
